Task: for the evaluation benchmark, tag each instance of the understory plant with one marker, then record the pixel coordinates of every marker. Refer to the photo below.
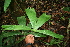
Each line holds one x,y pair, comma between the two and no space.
30,28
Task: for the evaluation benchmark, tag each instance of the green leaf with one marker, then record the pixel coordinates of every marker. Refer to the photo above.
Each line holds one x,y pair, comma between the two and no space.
50,33
36,34
55,41
11,34
21,20
10,39
20,39
32,16
66,9
41,20
6,41
6,4
44,42
15,27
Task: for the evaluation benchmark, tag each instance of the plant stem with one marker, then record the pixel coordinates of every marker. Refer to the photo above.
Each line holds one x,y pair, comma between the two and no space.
58,45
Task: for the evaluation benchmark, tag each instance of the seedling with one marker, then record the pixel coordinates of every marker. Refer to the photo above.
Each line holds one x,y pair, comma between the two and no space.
33,26
35,23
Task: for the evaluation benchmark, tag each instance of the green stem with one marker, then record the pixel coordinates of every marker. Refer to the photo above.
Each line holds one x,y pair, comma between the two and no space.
58,45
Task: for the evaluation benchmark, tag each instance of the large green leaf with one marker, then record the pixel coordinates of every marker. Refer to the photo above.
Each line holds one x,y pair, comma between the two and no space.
55,41
7,34
15,27
6,40
6,4
41,20
21,20
50,33
32,16
20,39
11,40
36,34
66,9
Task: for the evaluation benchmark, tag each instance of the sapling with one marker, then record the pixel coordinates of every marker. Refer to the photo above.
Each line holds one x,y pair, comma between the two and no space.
33,26
34,22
